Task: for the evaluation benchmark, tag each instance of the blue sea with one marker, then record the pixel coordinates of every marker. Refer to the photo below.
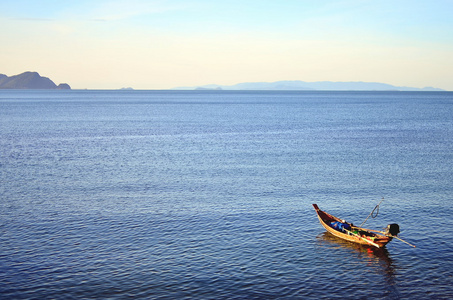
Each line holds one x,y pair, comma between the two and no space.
208,194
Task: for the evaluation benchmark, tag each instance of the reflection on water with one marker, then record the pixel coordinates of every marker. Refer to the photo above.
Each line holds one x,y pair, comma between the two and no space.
378,259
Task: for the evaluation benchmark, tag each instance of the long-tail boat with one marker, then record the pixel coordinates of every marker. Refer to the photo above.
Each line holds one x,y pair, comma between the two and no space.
347,231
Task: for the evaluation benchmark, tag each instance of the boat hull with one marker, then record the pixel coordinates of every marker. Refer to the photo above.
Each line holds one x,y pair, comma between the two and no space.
363,236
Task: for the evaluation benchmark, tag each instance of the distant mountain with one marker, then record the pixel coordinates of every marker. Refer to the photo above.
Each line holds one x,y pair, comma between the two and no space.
29,80
297,85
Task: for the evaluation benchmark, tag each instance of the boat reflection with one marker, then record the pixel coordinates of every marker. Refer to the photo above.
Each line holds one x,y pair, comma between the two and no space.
327,238
376,258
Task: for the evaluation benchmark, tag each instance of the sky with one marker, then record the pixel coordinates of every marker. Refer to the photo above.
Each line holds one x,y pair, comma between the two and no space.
161,44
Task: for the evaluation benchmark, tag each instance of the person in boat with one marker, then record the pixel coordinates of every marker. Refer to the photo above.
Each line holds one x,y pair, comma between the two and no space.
340,226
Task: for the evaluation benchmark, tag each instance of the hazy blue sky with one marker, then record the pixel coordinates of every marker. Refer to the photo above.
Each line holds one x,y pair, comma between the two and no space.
163,44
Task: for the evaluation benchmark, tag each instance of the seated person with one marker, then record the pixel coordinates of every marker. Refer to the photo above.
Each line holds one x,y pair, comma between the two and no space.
342,227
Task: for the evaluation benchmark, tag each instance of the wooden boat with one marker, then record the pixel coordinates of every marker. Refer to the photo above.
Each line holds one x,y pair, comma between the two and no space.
349,232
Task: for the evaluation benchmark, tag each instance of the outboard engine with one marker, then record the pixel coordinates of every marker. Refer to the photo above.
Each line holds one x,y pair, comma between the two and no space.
392,229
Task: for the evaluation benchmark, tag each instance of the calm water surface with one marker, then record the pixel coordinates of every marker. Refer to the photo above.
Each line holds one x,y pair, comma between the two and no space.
207,195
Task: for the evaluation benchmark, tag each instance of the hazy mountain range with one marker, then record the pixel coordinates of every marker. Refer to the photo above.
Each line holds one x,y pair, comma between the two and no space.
32,80
298,85
29,80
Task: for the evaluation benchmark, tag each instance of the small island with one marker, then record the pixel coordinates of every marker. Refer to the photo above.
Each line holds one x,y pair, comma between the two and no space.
30,80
